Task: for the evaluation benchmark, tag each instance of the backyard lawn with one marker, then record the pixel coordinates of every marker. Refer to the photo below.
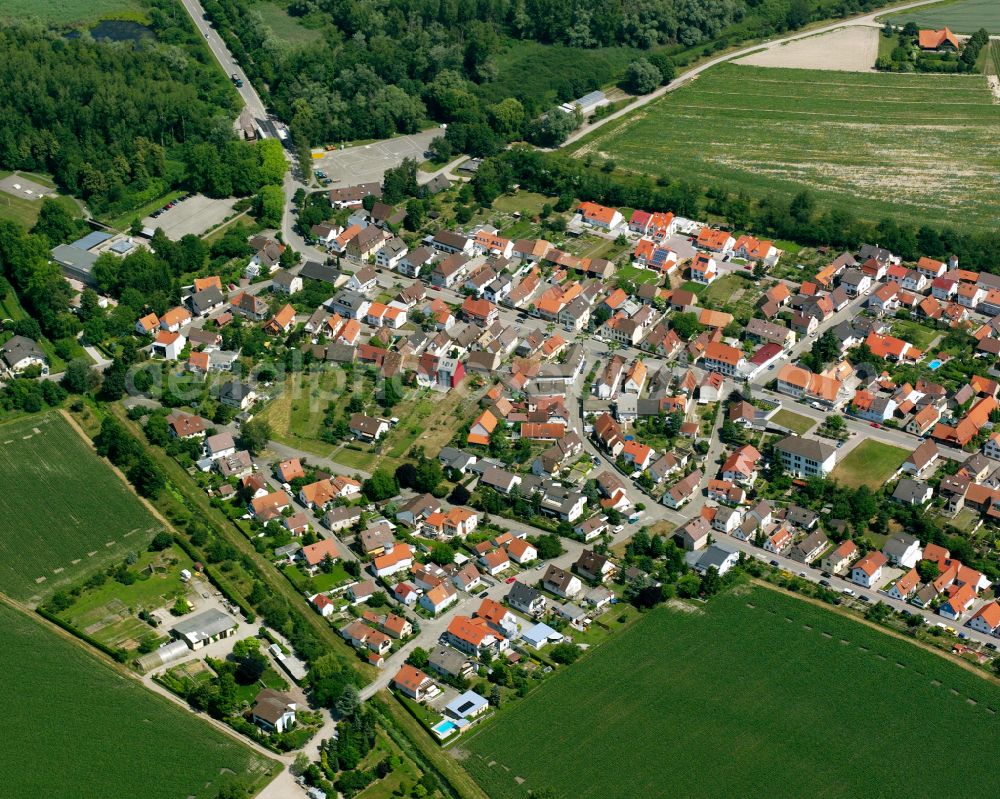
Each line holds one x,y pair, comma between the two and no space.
919,335
754,694
795,422
871,463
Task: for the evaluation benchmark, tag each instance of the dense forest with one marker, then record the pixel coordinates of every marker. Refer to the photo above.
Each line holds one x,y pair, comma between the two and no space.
388,67
120,124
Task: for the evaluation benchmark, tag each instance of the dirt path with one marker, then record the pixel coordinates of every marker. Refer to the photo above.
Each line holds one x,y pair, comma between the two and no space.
852,49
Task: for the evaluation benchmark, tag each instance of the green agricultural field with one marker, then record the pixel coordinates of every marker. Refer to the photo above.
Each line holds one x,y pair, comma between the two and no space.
63,512
84,730
920,147
758,694
962,16
871,463
71,12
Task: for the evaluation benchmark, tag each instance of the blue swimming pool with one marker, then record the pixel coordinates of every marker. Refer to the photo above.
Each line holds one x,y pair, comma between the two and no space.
934,364
444,728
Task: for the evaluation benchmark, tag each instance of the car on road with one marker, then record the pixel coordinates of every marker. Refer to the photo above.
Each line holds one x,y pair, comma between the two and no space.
484,594
510,580
774,563
876,425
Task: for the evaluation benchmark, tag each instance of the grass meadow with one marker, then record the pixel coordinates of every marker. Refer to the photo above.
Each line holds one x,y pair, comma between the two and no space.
753,694
63,512
871,463
72,12
916,147
84,730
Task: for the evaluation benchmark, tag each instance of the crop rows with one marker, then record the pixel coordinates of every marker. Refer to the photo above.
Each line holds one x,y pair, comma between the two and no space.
757,694
920,147
63,512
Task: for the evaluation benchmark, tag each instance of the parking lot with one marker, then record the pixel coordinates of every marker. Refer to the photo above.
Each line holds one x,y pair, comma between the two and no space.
368,162
196,214
25,189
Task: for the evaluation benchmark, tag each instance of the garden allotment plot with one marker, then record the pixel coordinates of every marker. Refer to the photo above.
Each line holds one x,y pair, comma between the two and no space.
63,512
917,147
754,694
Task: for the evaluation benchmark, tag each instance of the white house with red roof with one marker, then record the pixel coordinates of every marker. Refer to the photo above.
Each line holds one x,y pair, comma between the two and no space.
867,572
600,216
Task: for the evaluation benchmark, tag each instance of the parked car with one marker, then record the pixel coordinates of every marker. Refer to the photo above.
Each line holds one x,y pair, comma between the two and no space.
827,575
484,594
863,598
825,583
991,646
848,592
876,425
774,563
510,580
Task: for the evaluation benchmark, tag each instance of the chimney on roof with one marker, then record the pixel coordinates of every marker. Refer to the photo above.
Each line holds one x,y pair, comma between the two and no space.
953,262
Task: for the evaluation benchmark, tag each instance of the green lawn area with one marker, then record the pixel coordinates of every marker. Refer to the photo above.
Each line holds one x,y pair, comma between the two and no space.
63,512
802,129
629,272
85,730
321,582
71,12
284,26
25,212
919,335
795,422
871,463
962,16
527,203
753,694
721,291
108,611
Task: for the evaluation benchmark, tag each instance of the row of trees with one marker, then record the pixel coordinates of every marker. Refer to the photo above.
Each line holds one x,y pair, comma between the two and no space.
797,218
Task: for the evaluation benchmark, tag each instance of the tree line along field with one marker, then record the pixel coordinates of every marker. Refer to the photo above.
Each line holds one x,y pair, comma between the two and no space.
916,147
63,512
962,16
85,731
756,694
